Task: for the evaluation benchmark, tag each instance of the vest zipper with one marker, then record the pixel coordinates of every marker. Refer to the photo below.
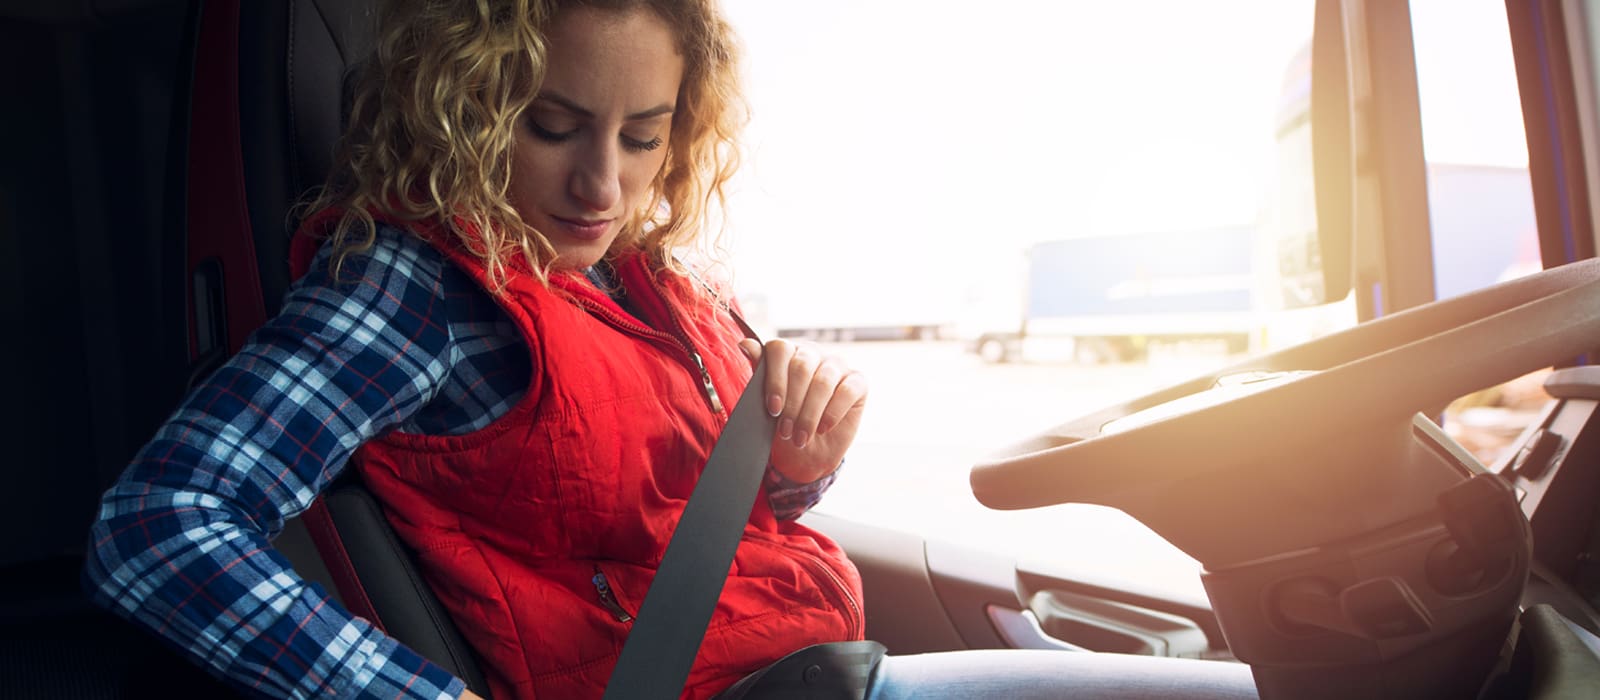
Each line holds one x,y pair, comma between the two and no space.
607,598
840,592
699,364
705,378
838,585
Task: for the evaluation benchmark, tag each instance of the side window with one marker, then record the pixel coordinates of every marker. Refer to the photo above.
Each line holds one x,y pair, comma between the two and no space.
1480,201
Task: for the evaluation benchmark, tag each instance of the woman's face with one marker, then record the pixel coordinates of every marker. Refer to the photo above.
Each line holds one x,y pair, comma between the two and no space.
591,143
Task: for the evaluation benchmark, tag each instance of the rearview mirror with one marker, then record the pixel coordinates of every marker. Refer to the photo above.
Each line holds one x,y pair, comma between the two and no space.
1329,116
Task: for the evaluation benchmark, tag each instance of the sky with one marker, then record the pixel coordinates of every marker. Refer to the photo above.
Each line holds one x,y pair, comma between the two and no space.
1467,83
939,138
947,138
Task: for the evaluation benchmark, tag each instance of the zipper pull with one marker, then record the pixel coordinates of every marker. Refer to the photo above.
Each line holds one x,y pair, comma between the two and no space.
705,378
607,599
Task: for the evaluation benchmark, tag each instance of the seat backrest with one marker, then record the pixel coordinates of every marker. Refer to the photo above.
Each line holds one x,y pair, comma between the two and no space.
292,61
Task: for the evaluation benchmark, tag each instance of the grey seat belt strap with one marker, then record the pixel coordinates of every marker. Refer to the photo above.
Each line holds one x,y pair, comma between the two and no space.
671,623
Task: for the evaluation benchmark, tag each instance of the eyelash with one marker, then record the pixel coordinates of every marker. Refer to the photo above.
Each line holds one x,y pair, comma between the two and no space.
632,145
641,146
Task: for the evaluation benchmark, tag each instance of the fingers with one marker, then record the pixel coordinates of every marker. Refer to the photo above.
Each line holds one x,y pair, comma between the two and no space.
807,391
779,354
847,394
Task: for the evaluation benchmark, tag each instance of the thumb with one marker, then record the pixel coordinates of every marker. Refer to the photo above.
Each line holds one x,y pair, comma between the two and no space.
751,348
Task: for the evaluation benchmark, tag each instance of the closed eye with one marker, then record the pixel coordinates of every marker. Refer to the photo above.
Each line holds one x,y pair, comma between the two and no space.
549,135
638,146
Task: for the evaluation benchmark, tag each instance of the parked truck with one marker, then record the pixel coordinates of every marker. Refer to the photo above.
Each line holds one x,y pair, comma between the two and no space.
1110,298
909,303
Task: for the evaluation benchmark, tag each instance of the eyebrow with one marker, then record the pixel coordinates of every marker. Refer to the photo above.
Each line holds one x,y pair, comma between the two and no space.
573,107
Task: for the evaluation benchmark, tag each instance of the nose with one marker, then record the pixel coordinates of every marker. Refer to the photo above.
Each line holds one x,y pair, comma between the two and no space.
596,178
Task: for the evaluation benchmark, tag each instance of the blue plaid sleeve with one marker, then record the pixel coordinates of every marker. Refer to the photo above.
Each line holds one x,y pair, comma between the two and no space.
181,545
791,499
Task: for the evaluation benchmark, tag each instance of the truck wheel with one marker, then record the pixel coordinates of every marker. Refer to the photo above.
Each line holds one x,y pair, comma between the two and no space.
994,351
1096,350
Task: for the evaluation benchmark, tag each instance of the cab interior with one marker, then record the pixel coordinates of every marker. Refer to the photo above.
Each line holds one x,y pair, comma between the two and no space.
156,149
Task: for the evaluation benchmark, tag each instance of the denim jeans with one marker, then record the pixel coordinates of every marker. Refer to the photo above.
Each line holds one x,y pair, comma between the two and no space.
1009,673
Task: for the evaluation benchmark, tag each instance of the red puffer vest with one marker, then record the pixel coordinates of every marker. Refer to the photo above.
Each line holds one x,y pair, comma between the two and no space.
541,532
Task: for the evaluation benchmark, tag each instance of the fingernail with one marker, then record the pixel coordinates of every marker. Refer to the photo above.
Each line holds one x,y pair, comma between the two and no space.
785,428
800,438
774,405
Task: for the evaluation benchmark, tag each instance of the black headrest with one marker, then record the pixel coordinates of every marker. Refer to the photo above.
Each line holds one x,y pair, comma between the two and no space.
294,61
328,39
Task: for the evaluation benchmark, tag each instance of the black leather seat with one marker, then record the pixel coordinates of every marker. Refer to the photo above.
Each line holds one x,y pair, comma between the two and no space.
294,59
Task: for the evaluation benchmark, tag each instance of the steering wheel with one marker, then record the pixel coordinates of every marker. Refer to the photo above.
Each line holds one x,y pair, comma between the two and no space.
1321,456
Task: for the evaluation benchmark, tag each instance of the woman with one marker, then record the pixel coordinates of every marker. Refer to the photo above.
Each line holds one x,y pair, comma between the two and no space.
491,327
532,378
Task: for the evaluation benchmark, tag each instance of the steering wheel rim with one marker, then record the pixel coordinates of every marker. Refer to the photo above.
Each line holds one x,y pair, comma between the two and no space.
1426,356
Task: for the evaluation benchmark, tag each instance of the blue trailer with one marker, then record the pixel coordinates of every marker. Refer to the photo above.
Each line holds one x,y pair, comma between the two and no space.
1112,297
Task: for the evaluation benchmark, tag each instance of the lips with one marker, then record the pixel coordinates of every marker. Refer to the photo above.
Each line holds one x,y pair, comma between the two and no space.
583,229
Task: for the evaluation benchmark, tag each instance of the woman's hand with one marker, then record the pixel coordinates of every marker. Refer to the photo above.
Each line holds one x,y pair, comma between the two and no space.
817,401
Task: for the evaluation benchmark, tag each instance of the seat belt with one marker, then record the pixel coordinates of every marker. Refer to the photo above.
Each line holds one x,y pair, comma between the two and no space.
672,621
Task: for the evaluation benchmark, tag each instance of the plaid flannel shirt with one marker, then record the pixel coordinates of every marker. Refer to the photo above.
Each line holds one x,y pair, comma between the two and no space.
400,341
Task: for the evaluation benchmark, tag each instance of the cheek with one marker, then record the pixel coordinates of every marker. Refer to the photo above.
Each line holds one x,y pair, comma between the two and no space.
640,175
533,174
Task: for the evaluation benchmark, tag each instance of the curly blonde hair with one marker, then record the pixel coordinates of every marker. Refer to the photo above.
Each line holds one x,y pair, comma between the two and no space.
434,115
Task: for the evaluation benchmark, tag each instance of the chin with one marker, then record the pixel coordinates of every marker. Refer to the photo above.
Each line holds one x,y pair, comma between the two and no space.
577,259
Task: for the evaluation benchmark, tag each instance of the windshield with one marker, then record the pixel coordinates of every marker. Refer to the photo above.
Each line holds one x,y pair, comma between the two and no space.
1010,216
